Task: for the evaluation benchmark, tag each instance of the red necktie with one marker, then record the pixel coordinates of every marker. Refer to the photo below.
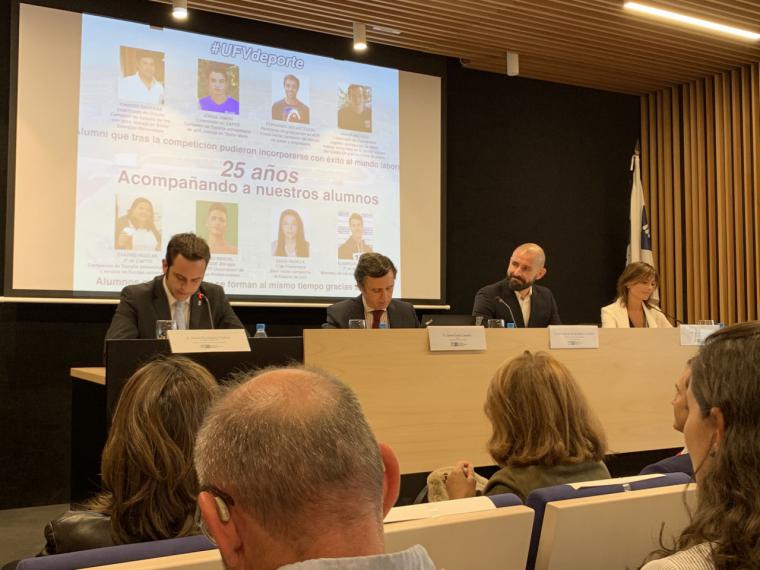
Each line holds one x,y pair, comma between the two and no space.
376,317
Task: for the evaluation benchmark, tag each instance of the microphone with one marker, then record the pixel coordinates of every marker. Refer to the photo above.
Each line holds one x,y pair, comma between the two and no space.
202,297
503,302
669,316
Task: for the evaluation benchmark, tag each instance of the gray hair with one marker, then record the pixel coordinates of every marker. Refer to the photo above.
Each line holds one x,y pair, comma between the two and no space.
293,448
372,265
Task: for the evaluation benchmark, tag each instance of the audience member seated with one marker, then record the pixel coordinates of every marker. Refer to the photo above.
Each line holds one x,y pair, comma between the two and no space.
680,463
722,434
292,477
544,432
149,483
632,307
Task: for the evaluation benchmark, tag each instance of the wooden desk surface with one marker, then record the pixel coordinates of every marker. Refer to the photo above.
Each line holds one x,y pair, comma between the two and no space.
429,406
96,374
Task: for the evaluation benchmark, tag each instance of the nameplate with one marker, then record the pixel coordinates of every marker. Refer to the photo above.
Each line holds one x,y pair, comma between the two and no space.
573,336
208,340
456,338
695,335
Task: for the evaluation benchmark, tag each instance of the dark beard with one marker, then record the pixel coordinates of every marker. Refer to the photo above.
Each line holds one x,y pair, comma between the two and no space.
517,285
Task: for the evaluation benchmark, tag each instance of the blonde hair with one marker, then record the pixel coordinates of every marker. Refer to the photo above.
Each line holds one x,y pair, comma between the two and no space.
149,482
540,416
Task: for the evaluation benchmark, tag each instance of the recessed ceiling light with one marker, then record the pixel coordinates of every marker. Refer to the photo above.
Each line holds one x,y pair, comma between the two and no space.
691,20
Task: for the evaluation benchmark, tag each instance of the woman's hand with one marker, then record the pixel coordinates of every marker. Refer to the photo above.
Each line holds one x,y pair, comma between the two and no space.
461,481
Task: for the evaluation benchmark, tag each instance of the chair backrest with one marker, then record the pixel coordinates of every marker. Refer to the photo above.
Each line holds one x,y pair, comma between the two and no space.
538,499
116,554
612,531
452,507
206,560
495,539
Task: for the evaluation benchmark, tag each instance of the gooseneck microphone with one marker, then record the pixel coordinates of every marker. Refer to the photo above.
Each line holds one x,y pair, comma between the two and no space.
201,298
667,315
503,302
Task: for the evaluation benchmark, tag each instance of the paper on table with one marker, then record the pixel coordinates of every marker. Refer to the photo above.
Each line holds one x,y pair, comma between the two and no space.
456,338
573,336
208,340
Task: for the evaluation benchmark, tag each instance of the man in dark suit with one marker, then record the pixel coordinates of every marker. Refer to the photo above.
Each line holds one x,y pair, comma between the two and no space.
375,276
517,297
179,294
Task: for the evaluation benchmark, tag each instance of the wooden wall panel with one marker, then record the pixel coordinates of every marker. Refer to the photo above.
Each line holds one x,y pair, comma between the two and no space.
702,156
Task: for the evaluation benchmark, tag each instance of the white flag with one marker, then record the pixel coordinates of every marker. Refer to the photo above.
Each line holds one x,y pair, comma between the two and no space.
640,244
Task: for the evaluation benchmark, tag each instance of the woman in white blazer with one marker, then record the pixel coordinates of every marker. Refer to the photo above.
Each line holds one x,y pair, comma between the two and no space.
632,307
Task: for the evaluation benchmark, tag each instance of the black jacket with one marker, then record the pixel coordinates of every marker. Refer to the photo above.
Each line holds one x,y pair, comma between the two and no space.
543,307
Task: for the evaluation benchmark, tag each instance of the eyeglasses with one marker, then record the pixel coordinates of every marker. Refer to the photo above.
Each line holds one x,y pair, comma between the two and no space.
198,518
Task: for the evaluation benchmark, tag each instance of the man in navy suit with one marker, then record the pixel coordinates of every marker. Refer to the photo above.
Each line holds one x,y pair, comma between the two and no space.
179,294
517,299
375,276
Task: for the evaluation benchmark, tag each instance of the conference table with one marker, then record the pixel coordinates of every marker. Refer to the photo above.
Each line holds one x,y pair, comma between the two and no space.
429,405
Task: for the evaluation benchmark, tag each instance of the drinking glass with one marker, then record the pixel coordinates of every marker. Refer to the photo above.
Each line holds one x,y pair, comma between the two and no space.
165,325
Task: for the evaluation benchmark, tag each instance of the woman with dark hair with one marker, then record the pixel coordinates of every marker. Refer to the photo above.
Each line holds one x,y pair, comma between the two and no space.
632,307
291,241
149,482
137,229
544,432
722,434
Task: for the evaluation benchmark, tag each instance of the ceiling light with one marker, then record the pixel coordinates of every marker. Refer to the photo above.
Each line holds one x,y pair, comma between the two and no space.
179,9
360,36
513,63
690,20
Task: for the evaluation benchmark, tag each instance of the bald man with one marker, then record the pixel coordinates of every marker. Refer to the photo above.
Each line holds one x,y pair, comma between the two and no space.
517,299
291,476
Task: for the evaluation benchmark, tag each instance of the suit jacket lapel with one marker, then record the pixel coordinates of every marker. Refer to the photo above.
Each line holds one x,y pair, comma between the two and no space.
357,311
160,302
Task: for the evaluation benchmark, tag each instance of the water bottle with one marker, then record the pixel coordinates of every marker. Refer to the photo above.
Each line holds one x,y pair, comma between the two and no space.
383,326
261,331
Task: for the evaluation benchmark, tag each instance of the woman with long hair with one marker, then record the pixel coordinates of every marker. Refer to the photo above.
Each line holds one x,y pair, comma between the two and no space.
722,433
632,308
137,229
291,241
544,432
149,483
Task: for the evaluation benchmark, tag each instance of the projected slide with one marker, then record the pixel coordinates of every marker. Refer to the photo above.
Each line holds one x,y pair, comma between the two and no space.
287,163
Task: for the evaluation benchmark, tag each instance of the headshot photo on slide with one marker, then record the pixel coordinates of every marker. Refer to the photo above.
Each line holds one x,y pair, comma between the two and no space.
217,223
355,108
142,75
137,225
292,108
218,87
355,244
290,235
